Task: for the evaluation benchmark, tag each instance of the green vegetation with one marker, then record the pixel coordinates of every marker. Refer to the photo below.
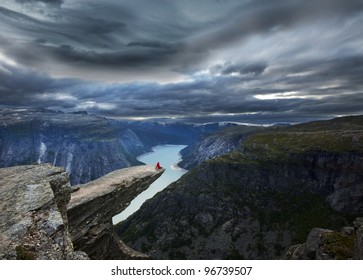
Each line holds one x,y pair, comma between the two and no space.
280,145
276,144
234,255
175,254
338,135
235,158
24,254
338,245
93,134
291,209
132,233
298,212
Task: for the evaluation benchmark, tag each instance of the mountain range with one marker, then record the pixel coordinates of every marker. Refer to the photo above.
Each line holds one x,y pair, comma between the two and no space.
87,146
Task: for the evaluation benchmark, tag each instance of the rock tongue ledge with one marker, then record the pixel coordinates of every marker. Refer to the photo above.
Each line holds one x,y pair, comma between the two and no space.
113,181
40,226
93,205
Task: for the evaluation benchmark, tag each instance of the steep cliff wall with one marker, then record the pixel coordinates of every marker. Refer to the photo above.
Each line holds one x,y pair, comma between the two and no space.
256,202
32,221
87,146
36,221
216,144
93,205
226,210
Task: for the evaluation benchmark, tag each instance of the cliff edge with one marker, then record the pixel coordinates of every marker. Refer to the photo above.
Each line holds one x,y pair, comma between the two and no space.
32,221
93,205
42,219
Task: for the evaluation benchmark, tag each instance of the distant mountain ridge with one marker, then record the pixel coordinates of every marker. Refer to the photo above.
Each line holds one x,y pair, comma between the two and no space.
86,145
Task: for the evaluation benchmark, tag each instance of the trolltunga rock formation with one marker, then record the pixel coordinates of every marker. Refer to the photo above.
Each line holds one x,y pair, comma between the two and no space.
42,219
93,205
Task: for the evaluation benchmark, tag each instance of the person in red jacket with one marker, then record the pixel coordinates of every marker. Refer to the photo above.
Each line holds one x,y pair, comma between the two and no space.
158,166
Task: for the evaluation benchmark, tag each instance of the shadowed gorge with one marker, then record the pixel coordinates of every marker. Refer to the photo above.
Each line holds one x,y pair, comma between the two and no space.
257,201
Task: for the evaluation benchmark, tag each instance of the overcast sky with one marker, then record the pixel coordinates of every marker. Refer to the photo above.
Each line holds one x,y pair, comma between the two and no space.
207,60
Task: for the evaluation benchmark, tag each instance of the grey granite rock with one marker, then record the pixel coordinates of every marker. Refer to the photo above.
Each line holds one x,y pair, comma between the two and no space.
314,242
92,207
358,243
40,219
31,223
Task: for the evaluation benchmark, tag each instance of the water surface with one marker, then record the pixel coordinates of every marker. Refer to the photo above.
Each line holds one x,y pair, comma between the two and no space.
168,156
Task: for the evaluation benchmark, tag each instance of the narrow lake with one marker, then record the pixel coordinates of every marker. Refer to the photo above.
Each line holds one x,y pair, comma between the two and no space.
168,156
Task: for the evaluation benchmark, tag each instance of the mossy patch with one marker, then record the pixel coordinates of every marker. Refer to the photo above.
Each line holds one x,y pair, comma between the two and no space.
24,254
281,145
338,245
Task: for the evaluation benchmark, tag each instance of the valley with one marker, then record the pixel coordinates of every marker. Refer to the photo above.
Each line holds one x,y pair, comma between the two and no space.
168,156
86,145
252,192
257,201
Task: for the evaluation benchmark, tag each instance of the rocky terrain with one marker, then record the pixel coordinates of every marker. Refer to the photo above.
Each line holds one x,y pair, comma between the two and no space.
87,146
256,202
216,144
325,244
93,205
33,221
41,218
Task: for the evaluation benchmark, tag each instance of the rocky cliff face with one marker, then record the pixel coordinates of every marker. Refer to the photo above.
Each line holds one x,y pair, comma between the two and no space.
93,205
33,224
87,146
37,222
216,144
257,202
325,244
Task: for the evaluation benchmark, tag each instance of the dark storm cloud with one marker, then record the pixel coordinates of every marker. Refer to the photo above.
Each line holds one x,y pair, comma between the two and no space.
103,33
224,96
198,100
49,2
256,68
346,71
263,16
241,60
21,87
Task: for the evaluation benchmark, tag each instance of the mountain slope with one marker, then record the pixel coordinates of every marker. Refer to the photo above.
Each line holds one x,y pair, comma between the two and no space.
87,146
216,144
256,202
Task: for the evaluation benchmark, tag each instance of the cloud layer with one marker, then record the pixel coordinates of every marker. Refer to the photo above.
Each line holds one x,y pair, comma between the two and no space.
187,60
